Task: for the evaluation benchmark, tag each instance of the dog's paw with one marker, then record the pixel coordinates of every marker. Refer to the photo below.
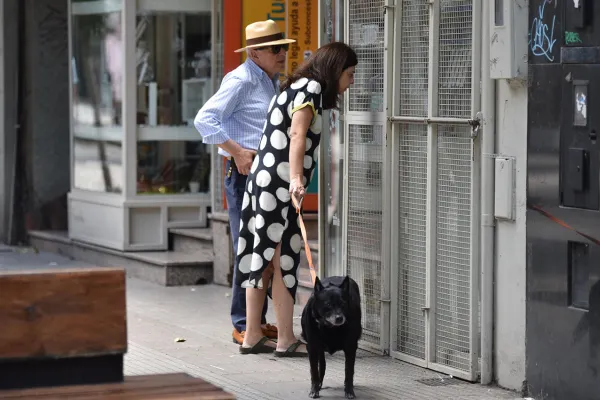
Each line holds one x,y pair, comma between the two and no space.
350,393
314,391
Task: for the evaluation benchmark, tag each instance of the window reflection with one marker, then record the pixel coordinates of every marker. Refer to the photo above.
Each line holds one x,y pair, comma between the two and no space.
170,167
334,178
97,77
173,67
174,81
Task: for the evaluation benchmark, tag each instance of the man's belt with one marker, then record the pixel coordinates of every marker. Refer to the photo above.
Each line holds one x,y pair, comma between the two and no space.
232,161
231,166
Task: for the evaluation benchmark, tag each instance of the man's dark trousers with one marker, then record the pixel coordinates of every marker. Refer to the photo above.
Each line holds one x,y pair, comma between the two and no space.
234,192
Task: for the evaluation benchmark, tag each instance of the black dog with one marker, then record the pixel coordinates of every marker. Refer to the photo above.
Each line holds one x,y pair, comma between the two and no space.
331,321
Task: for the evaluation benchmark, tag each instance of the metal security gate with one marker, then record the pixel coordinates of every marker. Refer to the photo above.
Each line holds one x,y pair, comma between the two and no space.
412,179
435,263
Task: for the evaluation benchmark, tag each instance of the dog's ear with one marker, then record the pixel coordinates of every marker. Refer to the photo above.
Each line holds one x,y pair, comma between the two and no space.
318,285
345,286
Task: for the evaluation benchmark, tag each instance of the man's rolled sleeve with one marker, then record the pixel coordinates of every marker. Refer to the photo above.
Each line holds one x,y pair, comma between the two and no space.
209,120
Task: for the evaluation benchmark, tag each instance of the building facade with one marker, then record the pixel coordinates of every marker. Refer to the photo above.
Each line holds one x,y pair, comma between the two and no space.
457,184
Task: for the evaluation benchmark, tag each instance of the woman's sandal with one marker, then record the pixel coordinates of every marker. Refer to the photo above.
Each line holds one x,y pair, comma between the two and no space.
291,351
260,347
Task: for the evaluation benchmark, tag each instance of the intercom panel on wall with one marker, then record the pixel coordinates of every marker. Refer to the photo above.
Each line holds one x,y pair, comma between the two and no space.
580,126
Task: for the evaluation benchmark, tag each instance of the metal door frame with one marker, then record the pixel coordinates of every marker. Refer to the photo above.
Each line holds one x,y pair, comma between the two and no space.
216,164
373,119
433,121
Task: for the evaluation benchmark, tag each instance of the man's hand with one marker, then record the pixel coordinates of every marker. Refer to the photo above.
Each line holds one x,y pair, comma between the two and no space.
243,161
243,157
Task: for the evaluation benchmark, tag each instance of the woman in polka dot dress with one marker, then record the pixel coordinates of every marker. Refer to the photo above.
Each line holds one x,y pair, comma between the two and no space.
270,239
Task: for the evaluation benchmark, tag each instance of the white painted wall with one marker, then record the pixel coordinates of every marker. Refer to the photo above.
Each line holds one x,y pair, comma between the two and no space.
510,257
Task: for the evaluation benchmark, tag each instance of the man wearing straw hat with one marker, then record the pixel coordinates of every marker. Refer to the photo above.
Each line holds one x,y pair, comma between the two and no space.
233,119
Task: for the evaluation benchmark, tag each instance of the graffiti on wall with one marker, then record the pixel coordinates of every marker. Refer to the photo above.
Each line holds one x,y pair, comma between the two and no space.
572,38
542,38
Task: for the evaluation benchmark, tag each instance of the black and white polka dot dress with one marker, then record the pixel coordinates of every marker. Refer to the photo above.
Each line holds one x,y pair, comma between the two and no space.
268,215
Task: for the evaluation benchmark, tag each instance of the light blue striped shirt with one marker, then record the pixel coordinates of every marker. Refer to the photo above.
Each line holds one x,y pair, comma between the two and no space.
238,110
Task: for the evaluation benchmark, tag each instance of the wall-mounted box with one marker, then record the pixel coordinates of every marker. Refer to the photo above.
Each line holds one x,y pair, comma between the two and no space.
509,38
504,188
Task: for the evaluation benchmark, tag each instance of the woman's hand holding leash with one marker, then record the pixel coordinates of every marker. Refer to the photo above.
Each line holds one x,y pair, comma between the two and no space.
297,191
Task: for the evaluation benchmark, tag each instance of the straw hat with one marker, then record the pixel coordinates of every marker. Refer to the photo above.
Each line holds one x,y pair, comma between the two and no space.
263,33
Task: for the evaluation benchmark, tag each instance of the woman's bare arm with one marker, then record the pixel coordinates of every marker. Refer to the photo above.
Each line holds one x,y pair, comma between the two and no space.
300,123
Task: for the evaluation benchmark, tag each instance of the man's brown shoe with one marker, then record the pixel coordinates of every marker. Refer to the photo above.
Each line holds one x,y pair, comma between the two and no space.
268,330
238,337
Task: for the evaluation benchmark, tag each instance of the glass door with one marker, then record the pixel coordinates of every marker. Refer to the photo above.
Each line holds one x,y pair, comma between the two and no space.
97,92
174,78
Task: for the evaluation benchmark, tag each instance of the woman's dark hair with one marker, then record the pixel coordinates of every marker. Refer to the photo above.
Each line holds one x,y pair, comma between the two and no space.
325,66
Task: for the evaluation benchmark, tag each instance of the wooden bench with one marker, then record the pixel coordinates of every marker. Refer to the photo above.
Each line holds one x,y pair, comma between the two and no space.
63,333
61,327
151,387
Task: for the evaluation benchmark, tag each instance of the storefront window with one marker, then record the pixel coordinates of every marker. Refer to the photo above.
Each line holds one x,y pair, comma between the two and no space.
97,76
174,81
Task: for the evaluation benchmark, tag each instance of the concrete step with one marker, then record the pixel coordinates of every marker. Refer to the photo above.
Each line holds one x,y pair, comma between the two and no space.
311,222
168,268
223,251
191,240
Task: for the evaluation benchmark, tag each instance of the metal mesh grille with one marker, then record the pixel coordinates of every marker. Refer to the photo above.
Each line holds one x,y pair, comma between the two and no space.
453,247
412,199
455,58
365,221
366,24
414,59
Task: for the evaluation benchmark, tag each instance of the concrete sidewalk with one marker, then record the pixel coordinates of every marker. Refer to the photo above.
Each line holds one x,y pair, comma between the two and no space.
158,315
